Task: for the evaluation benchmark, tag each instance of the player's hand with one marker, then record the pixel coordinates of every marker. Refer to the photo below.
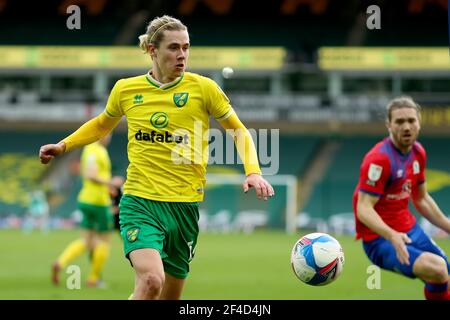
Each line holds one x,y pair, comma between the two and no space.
262,187
398,240
49,151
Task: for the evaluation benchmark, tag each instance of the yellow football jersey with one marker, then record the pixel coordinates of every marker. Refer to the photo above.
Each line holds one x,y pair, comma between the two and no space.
91,192
167,133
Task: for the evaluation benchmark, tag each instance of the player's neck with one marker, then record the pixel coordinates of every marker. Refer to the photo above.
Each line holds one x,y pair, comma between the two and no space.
162,81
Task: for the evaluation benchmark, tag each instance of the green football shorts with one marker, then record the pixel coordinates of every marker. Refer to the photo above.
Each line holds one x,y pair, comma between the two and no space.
95,217
169,227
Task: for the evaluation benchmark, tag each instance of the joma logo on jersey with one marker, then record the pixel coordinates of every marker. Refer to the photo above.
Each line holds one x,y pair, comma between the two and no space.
165,137
180,99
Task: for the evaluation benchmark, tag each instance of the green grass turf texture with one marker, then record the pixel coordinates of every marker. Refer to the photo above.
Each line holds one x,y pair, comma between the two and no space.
232,266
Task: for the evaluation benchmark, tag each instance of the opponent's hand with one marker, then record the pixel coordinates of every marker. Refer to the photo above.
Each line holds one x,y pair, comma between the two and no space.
398,240
262,187
49,151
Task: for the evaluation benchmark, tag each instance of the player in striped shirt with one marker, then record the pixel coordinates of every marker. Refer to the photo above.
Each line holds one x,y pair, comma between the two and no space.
392,173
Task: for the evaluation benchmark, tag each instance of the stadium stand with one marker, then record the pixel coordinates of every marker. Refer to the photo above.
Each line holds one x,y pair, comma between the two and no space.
333,194
20,172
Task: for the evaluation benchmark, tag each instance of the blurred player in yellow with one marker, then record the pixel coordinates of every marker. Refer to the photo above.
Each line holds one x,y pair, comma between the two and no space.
168,112
95,205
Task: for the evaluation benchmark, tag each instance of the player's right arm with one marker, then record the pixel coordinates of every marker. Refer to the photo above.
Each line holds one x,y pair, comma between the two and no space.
89,132
428,207
366,213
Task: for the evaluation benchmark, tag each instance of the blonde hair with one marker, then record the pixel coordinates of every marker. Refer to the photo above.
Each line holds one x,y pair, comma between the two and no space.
155,29
402,102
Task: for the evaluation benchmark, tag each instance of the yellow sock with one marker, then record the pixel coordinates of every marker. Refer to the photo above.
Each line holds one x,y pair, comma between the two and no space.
99,257
71,252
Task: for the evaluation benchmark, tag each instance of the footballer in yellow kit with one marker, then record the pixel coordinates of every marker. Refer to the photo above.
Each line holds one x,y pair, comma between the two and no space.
167,112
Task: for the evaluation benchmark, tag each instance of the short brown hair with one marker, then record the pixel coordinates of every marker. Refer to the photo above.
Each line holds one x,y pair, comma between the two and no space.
401,102
154,33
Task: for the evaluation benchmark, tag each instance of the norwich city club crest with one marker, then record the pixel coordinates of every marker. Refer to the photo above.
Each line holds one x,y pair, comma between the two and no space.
180,99
132,234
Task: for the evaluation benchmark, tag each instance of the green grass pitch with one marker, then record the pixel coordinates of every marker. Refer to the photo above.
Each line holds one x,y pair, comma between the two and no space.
226,266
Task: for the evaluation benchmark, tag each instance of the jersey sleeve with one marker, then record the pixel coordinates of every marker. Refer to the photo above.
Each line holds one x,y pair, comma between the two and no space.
113,106
374,174
217,102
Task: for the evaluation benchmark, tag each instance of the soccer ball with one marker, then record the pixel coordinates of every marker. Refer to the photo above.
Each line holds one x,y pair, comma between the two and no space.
317,259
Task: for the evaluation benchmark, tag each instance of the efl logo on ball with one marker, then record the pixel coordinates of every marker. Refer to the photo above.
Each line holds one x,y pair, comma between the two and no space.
317,259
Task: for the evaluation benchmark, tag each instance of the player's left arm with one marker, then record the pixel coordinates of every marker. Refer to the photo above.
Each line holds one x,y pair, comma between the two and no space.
428,208
247,152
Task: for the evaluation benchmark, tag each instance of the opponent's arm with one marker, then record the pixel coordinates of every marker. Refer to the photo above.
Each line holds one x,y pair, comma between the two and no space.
428,208
89,132
247,152
366,213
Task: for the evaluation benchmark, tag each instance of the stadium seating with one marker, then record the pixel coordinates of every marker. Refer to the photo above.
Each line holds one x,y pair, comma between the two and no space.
20,169
333,193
